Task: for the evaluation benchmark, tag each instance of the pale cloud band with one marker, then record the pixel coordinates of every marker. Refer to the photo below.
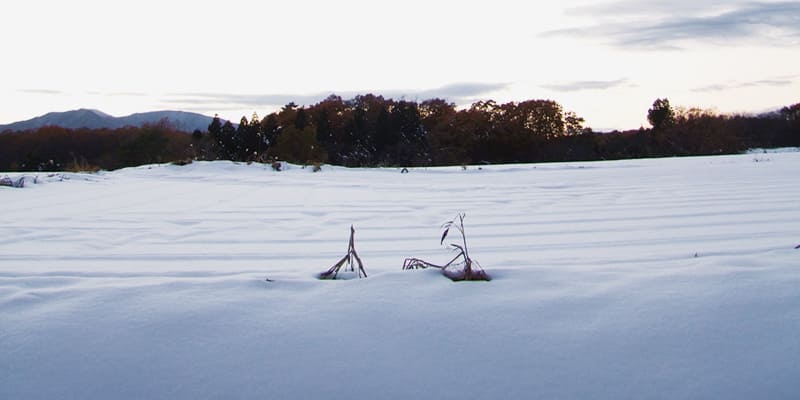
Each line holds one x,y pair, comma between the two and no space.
647,25
719,87
576,86
457,93
41,91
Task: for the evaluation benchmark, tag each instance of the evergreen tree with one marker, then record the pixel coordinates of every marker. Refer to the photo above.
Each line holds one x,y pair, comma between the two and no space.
299,146
215,130
227,141
269,132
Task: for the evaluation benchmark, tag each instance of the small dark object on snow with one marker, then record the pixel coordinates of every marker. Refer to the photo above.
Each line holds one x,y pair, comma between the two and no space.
404,170
347,262
797,247
184,162
465,270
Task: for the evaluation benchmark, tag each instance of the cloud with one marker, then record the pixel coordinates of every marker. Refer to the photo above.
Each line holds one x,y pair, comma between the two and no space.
116,94
457,93
126,94
41,91
720,87
462,90
203,99
576,86
628,24
653,8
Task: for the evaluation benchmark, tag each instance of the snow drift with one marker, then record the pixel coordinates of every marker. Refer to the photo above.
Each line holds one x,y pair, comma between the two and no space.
664,278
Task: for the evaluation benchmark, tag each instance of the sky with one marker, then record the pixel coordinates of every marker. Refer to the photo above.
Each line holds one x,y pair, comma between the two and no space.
605,60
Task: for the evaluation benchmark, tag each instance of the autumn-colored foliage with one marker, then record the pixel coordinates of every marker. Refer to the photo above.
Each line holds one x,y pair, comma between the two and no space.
53,148
370,130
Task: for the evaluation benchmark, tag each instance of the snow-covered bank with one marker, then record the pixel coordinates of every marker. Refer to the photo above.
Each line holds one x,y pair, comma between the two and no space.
668,278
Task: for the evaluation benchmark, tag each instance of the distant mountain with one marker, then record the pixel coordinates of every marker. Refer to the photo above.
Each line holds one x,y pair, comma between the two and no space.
94,119
180,120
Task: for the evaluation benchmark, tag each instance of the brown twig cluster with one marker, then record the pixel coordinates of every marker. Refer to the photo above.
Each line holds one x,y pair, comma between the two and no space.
349,262
461,267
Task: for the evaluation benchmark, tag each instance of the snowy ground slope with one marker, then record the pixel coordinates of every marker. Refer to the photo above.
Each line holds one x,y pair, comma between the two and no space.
665,278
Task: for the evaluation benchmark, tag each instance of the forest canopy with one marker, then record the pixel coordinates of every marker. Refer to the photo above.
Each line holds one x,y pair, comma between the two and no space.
370,130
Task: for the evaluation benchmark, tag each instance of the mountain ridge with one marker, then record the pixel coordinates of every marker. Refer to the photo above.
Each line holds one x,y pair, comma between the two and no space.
96,119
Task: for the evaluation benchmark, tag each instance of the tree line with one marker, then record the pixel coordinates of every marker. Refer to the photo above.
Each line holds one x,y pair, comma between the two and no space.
53,148
371,130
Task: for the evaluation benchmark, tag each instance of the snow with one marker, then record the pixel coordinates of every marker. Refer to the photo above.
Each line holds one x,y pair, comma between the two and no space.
661,278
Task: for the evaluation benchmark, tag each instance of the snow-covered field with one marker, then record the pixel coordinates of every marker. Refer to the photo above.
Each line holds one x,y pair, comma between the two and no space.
641,279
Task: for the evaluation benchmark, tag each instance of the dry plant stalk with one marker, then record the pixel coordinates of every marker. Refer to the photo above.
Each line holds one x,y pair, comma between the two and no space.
465,270
7,181
347,261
